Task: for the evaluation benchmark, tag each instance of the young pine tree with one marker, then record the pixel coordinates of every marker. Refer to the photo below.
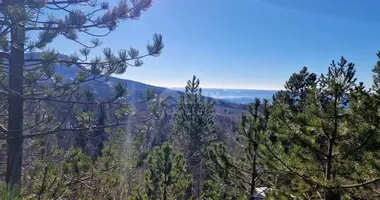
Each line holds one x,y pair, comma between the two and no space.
252,135
34,88
327,131
166,178
193,131
243,175
75,175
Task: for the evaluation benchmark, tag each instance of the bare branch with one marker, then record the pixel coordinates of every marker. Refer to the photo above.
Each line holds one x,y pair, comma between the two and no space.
78,42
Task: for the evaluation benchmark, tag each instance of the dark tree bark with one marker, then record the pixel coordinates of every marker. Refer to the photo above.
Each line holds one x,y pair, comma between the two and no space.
15,108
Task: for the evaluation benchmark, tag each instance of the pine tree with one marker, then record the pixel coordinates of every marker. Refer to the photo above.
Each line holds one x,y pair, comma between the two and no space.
327,133
193,131
214,190
166,178
29,26
253,133
376,83
75,175
242,175
224,179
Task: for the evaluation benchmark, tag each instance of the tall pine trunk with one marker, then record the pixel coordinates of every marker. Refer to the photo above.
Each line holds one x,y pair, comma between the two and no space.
330,193
253,177
15,104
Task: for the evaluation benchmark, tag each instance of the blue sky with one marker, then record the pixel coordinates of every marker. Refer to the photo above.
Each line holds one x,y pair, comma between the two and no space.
253,44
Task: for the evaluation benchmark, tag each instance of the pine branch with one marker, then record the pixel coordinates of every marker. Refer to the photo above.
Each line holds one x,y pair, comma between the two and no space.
27,128
42,188
80,43
111,101
5,55
10,90
96,35
361,184
300,139
41,28
362,145
53,2
3,129
68,62
4,92
308,180
87,17
57,129
94,24
5,31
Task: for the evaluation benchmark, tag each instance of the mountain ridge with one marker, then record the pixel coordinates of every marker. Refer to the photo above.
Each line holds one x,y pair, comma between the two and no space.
239,96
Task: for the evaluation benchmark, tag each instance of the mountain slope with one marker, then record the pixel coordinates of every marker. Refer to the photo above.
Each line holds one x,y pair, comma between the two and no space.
227,114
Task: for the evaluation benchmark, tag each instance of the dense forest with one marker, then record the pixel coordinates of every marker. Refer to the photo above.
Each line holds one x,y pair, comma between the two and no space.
65,137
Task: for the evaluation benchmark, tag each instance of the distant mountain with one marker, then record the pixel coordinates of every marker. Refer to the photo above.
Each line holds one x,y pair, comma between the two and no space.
227,112
241,96
104,87
242,100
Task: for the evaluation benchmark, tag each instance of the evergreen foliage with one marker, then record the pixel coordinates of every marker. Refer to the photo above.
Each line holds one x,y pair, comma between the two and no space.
318,139
33,85
242,175
167,176
75,175
328,135
193,131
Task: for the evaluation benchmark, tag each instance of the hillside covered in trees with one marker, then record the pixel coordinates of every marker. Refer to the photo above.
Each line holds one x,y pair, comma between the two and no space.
70,130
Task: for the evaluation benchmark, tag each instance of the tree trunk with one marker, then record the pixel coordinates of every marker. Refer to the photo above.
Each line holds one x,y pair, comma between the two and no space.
328,172
165,191
15,105
330,193
253,176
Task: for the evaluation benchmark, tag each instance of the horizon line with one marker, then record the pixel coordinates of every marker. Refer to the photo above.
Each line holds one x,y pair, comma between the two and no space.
220,88
183,86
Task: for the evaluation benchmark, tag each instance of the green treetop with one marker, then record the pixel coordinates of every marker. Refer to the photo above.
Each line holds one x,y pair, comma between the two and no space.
193,131
327,136
166,178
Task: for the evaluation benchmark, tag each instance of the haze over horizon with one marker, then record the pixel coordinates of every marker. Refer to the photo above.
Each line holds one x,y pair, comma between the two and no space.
248,44
220,88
